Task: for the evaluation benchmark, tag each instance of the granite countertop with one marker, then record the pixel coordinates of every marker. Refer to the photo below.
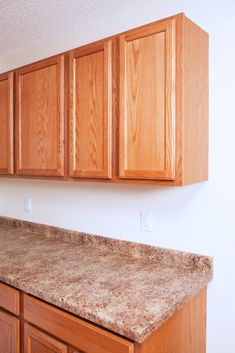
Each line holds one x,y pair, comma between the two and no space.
128,288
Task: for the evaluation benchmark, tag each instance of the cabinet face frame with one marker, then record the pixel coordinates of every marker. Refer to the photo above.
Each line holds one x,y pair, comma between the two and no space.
105,172
14,325
57,61
168,172
9,149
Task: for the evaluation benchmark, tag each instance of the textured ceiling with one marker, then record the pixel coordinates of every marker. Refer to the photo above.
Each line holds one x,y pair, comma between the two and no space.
24,23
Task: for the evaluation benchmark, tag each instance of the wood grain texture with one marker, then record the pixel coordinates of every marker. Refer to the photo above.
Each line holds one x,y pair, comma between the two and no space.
190,161
9,299
40,118
195,103
185,332
147,102
9,333
91,111
36,341
6,123
76,332
74,350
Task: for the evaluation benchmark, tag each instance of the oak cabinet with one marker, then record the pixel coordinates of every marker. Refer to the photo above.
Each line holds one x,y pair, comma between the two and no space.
147,101
40,118
132,108
6,124
36,341
91,111
9,333
76,332
163,132
48,329
9,299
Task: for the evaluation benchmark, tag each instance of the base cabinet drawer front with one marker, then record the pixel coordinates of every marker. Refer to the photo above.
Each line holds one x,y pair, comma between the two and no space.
9,333
9,299
36,341
76,332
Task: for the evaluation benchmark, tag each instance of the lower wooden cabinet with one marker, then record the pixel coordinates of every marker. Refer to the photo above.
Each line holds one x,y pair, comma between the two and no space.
9,333
9,299
86,337
47,329
36,341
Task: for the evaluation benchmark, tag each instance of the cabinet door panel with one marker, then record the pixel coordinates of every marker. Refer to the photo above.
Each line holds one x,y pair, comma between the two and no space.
91,111
6,124
9,333
40,118
36,341
147,94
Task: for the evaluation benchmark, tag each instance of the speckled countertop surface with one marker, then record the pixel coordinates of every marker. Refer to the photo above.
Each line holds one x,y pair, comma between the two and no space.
128,288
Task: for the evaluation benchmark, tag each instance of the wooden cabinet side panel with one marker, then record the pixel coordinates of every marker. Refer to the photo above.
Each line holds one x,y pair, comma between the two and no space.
184,332
9,333
40,118
195,108
91,111
6,123
147,103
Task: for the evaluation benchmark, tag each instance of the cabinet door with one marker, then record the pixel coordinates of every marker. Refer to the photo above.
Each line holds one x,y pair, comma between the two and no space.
91,111
9,333
40,118
147,102
6,124
36,341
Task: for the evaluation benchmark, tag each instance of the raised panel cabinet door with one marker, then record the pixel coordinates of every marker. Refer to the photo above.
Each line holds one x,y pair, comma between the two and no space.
147,102
9,333
35,341
91,111
40,118
6,124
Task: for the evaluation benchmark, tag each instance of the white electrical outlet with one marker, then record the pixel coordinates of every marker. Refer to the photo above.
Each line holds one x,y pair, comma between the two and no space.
27,204
146,221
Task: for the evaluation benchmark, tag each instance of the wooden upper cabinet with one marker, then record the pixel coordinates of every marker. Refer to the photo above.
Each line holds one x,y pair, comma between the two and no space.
40,118
137,106
91,111
6,124
9,333
147,102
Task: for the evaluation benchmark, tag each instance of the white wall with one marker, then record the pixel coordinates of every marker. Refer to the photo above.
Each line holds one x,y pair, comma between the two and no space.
198,218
